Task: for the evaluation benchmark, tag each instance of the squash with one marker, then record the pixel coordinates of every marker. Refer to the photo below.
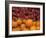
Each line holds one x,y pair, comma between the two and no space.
29,22
38,25
19,21
14,24
33,27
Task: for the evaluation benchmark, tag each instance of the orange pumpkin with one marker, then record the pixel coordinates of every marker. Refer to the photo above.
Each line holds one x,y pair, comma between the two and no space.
13,29
24,20
23,26
38,28
14,18
33,27
38,25
34,23
25,29
14,24
17,29
19,21
29,22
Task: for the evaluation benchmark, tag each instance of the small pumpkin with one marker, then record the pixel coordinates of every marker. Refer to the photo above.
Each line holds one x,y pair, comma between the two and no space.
23,26
24,20
14,24
13,29
34,23
19,21
29,22
38,25
17,29
33,27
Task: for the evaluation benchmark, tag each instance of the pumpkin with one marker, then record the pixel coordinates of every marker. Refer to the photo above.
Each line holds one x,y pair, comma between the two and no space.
17,29
34,23
38,25
14,24
33,27
24,20
25,29
19,21
23,26
13,29
29,22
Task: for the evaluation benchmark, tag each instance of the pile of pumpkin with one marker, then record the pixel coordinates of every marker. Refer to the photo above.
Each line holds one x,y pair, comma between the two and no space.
25,25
